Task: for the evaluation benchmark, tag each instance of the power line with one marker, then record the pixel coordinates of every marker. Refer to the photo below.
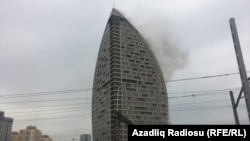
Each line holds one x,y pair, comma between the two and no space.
73,116
194,95
61,112
204,77
217,122
168,93
70,99
183,96
44,93
205,91
209,101
69,134
207,108
75,130
60,105
81,90
198,94
82,108
86,115
48,110
90,89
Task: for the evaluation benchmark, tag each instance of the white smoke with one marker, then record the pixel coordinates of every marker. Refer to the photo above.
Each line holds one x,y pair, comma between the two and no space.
156,29
168,52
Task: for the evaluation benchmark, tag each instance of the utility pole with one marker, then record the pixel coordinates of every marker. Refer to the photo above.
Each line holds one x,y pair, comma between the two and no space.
241,65
237,122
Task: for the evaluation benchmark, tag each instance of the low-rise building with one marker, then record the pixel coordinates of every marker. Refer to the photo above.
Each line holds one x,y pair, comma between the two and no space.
31,133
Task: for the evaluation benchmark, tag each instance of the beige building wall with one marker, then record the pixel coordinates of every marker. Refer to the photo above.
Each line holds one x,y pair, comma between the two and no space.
21,136
31,133
14,136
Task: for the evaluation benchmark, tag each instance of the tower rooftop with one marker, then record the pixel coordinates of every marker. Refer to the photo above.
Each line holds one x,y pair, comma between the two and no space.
115,12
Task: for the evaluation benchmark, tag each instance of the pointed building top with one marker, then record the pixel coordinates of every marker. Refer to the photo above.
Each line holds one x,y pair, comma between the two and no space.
115,12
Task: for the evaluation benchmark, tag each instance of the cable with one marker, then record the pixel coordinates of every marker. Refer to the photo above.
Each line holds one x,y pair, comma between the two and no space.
210,101
207,108
193,95
208,123
45,93
61,105
75,130
233,122
83,108
73,116
205,91
88,115
203,77
90,89
208,93
71,99
61,112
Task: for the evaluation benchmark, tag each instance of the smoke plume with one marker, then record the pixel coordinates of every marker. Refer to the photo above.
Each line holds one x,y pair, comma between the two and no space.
159,34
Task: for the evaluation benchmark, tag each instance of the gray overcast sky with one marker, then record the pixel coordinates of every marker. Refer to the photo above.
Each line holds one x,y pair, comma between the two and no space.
52,46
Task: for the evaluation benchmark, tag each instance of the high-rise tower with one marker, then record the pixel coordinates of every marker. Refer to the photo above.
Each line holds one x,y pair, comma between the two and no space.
5,127
85,137
128,79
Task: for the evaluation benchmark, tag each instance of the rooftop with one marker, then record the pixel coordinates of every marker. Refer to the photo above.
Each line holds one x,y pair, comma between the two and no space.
115,12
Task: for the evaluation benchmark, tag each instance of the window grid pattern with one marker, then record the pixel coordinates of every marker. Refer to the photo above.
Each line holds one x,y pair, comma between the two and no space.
127,79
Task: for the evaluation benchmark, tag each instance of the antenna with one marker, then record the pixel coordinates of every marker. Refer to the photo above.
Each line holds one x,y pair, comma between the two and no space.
113,4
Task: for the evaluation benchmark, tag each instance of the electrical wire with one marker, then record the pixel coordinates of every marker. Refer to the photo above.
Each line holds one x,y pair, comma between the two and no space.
207,108
44,93
43,106
209,101
49,110
72,116
204,77
195,93
206,91
90,89
50,100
